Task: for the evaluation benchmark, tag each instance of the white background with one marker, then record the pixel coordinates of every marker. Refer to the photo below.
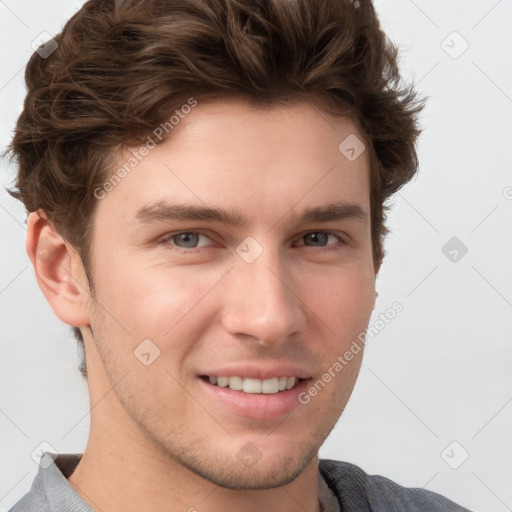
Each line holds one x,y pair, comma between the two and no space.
439,372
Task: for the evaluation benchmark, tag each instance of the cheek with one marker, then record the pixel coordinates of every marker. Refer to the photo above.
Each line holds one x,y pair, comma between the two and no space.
163,303
342,299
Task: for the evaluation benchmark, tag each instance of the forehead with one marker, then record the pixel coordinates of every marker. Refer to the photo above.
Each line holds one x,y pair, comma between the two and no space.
228,154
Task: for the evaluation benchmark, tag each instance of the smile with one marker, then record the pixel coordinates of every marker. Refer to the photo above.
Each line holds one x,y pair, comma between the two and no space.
252,386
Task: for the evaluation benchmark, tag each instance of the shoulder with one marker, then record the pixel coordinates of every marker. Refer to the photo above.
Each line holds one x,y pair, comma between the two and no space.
33,500
50,490
356,490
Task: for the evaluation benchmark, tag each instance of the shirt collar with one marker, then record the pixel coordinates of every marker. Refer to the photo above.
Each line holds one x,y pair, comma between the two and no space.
57,491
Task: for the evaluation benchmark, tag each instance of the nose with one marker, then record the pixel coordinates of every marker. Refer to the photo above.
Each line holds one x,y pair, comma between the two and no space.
261,301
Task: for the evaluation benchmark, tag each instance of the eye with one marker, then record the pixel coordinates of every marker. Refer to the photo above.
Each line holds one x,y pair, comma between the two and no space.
187,241
321,238
183,240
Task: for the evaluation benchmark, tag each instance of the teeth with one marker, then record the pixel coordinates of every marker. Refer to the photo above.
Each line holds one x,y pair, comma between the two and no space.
249,385
236,383
270,386
252,386
222,381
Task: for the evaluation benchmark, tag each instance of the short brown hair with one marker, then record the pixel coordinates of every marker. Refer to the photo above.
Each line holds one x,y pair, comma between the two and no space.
120,67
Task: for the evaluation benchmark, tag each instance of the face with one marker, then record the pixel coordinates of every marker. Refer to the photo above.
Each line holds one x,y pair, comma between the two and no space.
192,308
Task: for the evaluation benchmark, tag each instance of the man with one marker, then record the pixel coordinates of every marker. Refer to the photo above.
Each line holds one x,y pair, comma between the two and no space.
205,182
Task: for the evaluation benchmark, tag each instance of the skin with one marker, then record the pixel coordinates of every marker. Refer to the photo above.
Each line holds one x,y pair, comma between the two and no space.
157,440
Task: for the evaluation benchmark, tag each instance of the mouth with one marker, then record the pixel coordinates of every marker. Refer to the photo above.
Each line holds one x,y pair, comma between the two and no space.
249,385
250,397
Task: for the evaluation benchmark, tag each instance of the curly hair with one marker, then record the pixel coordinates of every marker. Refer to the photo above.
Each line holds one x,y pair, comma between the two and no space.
119,67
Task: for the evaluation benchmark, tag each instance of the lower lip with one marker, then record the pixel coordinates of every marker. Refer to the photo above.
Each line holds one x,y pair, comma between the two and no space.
256,406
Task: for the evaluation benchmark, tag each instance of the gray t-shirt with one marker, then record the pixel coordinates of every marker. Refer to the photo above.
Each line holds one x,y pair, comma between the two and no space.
343,487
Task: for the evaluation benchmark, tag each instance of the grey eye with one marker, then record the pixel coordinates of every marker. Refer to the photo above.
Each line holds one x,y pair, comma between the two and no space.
189,239
317,237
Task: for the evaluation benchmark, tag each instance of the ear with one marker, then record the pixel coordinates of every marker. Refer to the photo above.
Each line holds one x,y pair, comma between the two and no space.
59,271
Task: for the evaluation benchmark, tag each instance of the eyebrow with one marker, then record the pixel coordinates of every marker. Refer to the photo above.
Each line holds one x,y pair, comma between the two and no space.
162,211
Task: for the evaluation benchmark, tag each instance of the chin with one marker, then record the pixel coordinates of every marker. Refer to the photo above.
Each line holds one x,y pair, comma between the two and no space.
237,474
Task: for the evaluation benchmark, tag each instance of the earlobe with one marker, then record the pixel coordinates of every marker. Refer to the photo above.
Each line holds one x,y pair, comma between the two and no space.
59,271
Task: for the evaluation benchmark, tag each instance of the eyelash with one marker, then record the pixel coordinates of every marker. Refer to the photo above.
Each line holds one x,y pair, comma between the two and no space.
165,240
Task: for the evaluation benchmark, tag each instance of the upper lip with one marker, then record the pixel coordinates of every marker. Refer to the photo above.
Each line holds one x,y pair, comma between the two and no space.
261,371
